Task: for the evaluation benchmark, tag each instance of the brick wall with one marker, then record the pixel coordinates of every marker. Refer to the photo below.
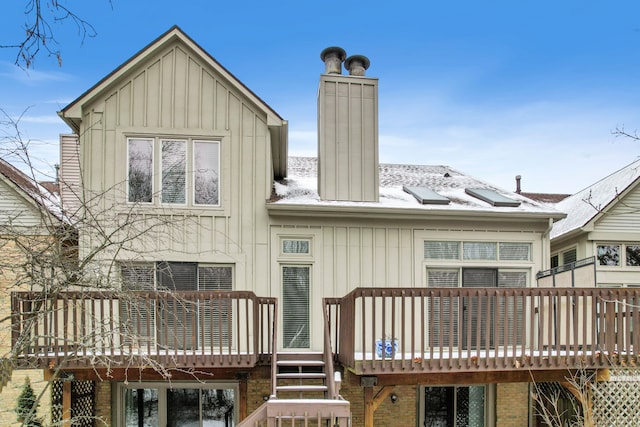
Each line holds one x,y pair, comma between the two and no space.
512,405
12,260
12,390
401,413
103,403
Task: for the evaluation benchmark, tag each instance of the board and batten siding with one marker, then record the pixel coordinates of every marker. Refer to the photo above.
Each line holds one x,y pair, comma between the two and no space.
346,255
175,93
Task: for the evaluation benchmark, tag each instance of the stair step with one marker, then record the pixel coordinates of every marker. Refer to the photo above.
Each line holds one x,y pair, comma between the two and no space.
301,388
302,375
300,363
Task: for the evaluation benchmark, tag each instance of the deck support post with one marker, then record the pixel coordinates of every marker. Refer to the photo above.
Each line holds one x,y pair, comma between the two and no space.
372,402
66,403
242,391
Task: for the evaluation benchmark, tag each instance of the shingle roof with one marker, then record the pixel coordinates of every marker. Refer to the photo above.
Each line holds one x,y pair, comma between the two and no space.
300,187
586,204
548,198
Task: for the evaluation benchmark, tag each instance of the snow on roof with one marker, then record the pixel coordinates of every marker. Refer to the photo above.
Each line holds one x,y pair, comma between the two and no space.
583,206
38,193
300,188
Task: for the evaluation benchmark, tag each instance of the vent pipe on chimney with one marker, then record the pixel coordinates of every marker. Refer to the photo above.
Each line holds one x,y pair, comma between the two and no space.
518,178
333,57
356,64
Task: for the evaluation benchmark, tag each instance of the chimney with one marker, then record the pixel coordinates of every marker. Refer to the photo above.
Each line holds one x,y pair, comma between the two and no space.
347,129
518,178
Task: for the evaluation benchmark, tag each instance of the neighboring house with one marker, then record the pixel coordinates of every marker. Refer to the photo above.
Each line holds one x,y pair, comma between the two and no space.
29,216
602,224
250,279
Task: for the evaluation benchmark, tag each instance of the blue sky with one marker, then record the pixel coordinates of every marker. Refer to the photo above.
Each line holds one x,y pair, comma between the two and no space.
491,88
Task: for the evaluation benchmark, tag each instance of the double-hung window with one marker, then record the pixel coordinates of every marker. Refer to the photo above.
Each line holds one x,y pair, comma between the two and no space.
173,171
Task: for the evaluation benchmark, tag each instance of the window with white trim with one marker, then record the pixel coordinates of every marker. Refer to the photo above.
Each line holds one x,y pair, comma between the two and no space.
477,251
296,281
295,246
618,254
187,170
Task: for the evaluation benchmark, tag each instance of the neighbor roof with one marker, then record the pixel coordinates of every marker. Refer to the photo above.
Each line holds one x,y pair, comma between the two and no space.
30,189
300,188
584,206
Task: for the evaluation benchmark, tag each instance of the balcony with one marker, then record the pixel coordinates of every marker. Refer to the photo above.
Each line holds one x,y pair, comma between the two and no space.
166,330
370,330
378,331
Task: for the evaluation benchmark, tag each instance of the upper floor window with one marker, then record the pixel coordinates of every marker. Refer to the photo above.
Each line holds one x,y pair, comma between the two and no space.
609,254
477,251
615,254
569,256
182,181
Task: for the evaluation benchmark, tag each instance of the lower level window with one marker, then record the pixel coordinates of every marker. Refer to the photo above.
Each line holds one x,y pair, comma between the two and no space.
456,406
181,405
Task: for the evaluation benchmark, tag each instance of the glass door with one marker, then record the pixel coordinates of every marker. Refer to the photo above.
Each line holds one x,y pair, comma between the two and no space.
180,406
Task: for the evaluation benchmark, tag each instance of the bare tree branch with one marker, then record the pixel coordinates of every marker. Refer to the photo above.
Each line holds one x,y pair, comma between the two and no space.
39,37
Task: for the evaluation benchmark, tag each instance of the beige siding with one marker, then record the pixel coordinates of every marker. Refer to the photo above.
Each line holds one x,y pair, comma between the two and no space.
15,210
624,217
70,177
347,254
174,93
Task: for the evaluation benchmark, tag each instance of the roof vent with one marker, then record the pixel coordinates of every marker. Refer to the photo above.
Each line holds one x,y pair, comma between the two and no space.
357,64
332,58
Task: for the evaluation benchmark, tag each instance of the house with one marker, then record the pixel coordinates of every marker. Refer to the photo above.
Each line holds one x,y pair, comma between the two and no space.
232,283
29,218
602,226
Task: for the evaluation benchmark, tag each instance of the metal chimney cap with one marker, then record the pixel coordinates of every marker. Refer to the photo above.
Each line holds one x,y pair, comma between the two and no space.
340,52
357,64
333,57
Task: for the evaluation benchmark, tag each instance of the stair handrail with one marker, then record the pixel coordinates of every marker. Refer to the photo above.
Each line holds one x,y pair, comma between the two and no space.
328,356
274,352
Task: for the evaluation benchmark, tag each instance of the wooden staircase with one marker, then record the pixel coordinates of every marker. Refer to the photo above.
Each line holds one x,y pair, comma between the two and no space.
305,394
301,376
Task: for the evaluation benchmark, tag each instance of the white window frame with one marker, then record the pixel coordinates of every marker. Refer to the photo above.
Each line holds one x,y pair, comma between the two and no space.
309,267
190,162
307,254
153,162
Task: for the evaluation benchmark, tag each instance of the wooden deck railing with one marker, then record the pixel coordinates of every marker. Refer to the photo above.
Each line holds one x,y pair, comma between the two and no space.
392,330
179,329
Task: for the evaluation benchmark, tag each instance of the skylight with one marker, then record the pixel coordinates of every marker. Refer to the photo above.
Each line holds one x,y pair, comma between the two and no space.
492,197
426,196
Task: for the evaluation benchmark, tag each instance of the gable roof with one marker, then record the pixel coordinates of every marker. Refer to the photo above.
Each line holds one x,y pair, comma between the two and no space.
299,191
30,190
72,113
590,203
